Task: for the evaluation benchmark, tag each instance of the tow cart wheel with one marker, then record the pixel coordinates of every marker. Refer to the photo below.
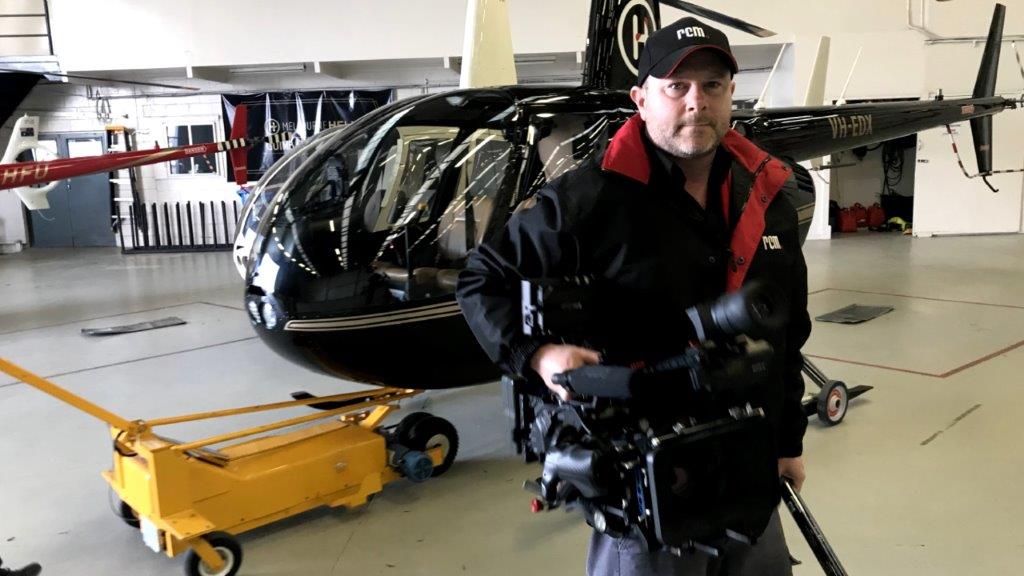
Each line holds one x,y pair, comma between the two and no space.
832,402
128,514
229,549
405,425
431,432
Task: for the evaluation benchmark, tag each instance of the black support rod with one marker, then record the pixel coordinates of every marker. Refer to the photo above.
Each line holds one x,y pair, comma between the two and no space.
811,531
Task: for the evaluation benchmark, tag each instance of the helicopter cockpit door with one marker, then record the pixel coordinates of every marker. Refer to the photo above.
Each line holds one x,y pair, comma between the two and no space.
462,226
401,191
560,142
402,169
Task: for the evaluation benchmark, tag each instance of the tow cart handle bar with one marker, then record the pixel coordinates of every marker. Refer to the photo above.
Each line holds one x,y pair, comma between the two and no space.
59,393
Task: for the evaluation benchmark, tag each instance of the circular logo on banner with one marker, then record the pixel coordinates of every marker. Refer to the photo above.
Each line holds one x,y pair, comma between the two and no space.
636,23
271,127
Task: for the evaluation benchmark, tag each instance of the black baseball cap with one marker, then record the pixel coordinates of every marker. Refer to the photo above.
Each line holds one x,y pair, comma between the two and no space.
668,47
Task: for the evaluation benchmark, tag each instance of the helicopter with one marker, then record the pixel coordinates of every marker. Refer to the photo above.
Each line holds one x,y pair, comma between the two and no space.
351,245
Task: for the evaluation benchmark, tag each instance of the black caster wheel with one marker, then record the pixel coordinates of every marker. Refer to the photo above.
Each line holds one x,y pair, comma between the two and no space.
229,549
128,514
426,431
832,403
404,427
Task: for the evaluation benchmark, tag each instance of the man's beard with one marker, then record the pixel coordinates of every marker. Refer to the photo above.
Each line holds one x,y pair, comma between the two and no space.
677,145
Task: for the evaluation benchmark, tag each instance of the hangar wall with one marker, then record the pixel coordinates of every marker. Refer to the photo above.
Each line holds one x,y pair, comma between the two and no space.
400,43
67,109
239,32
259,32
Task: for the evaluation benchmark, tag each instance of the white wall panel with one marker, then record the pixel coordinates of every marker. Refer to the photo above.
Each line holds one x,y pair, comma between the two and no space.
945,202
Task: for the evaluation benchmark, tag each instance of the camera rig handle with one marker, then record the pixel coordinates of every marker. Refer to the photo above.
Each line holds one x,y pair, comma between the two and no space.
598,380
713,368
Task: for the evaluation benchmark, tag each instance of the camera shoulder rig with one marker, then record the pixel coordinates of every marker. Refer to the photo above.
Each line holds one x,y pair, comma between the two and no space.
685,476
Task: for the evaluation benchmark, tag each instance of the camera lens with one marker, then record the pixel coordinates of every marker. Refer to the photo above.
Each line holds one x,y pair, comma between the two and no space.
758,308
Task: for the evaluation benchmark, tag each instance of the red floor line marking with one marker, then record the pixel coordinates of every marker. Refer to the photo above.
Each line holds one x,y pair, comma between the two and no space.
983,359
923,298
944,375
869,365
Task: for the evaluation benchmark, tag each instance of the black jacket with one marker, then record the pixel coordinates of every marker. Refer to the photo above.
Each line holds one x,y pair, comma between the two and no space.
623,221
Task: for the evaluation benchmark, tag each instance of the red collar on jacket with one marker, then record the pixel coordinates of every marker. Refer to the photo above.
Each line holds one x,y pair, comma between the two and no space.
627,154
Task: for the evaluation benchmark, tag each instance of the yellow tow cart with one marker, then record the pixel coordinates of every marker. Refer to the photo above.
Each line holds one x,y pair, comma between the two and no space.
188,497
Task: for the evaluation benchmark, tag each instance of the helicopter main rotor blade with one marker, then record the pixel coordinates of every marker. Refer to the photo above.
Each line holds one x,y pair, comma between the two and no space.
718,17
101,79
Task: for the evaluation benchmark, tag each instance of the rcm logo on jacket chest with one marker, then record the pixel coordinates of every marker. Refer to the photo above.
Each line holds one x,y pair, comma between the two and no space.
771,243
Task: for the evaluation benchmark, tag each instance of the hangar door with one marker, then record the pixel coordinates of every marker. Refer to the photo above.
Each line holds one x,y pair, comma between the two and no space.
79,213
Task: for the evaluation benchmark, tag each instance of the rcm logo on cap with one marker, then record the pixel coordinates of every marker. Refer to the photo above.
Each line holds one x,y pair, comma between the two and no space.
691,32
667,47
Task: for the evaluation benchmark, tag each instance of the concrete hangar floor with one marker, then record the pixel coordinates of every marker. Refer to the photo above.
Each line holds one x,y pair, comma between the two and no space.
922,477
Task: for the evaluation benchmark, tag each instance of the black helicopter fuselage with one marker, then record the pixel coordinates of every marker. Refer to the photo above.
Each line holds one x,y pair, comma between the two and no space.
352,248
361,274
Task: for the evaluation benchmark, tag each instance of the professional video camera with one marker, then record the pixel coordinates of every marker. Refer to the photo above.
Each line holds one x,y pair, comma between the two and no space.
685,476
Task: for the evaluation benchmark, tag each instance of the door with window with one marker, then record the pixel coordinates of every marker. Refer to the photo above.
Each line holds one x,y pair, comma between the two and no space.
80,211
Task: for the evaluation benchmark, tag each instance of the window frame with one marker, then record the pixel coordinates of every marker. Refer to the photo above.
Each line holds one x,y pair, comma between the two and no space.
218,159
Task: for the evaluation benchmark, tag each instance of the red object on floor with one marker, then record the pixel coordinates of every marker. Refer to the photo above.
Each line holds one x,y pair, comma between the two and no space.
860,214
876,215
847,220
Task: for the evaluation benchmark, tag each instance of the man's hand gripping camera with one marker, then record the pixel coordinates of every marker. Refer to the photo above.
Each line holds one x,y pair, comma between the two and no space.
673,449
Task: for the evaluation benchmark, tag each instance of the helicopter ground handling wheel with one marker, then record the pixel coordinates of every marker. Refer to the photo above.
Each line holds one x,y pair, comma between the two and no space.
833,400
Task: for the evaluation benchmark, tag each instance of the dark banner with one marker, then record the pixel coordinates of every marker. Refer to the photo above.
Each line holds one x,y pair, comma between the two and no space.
14,87
303,113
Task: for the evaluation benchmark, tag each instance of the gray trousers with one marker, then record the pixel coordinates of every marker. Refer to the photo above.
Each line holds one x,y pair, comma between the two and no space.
630,557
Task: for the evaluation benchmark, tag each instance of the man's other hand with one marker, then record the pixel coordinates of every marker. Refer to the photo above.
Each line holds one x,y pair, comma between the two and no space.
551,359
793,468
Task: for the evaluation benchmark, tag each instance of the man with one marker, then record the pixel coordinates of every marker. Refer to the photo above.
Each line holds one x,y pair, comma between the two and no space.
678,211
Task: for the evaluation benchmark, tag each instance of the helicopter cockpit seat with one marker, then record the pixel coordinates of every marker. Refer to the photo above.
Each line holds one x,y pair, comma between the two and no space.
426,281
452,250
422,284
558,144
447,278
452,245
458,230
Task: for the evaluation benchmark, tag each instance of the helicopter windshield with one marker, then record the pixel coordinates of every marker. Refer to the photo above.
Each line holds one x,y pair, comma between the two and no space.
390,209
263,192
408,191
272,181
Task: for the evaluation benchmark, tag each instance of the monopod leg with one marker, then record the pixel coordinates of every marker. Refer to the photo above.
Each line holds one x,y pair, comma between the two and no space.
812,532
